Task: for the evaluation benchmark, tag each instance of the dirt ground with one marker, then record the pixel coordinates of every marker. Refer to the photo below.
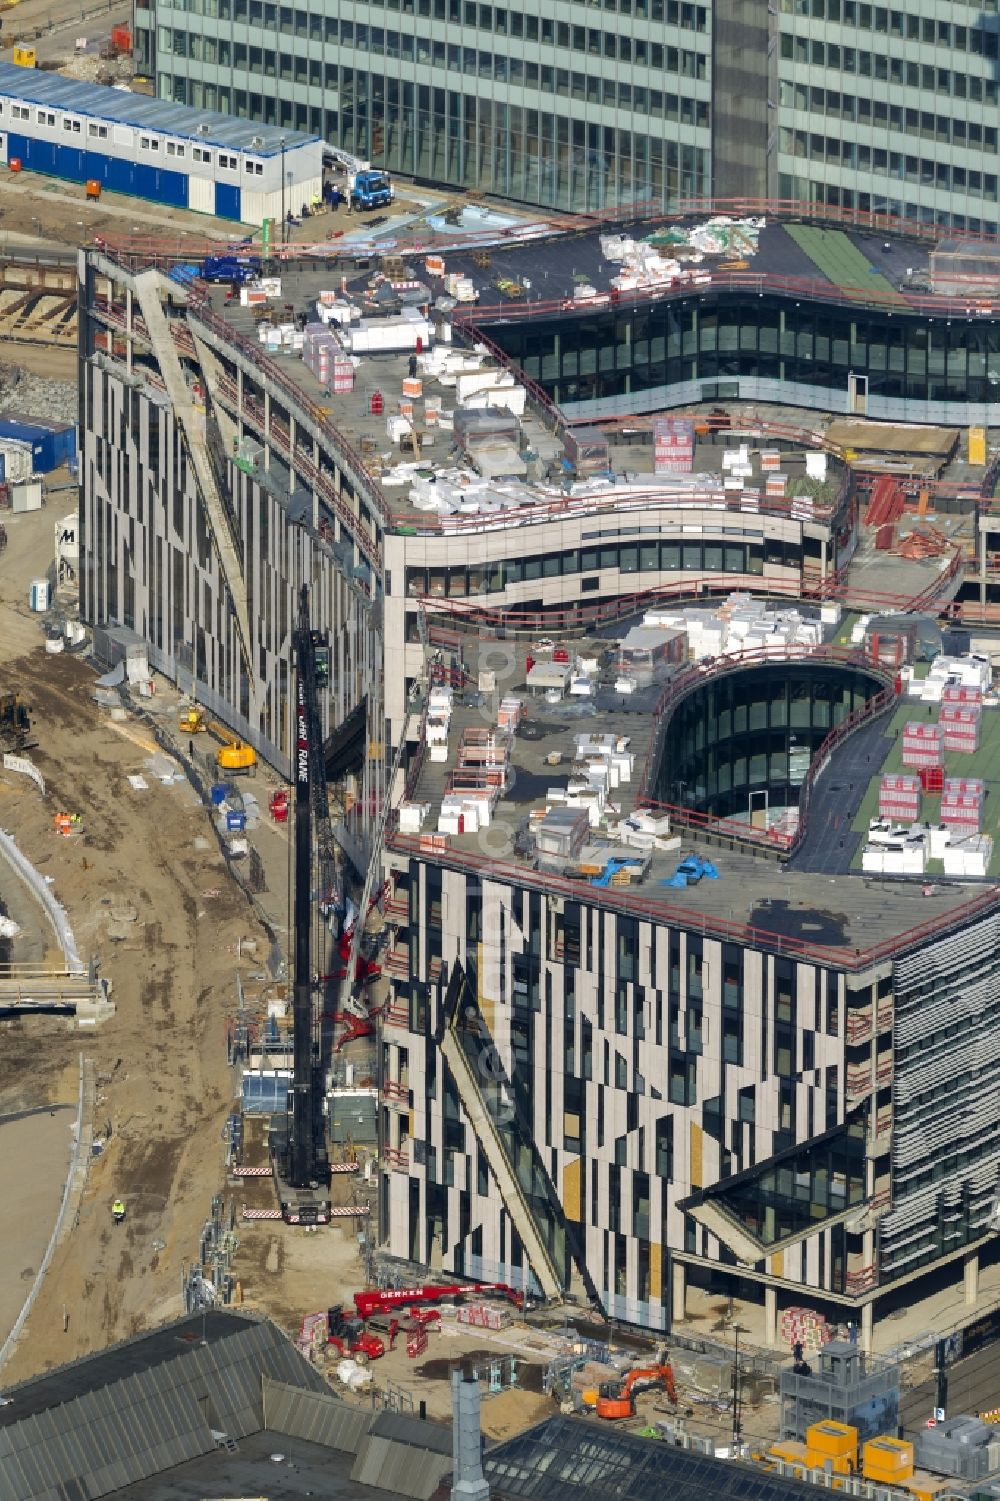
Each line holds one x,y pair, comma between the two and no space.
35,1152
164,1085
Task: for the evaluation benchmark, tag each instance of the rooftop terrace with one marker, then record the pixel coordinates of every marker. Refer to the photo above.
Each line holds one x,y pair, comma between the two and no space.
362,415
817,905
803,260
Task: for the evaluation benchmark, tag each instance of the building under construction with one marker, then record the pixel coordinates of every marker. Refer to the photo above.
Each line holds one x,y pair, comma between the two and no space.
643,1030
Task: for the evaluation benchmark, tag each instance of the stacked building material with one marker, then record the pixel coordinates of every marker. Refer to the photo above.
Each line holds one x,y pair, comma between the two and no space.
923,744
805,1327
484,1316
510,714
960,726
673,445
438,720
962,804
969,856
968,694
899,797
325,357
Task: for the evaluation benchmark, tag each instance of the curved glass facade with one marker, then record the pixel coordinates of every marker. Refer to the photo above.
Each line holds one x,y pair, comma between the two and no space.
742,743
719,337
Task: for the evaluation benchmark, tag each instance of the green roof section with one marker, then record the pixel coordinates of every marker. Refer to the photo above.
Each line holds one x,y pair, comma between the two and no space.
984,763
841,262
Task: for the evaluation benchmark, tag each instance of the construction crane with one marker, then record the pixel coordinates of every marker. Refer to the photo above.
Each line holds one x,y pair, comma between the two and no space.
300,1160
617,1399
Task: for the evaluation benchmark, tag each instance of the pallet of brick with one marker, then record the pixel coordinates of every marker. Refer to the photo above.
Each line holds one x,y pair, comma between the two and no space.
967,786
899,797
484,1316
962,810
960,727
923,744
961,693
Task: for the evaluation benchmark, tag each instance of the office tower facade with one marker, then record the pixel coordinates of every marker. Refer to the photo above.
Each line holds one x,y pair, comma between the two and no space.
588,108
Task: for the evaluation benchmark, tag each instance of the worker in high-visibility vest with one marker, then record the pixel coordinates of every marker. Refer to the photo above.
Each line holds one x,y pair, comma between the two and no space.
118,1211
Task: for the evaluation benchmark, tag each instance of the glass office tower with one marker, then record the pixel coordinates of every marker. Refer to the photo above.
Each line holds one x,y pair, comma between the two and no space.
602,105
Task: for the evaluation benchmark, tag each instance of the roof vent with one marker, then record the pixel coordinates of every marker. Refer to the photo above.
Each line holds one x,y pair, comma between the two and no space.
256,140
202,129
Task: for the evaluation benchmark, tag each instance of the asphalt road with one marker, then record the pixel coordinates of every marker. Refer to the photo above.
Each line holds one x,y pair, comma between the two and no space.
973,1386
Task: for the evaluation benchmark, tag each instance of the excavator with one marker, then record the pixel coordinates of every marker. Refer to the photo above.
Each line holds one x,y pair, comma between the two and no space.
617,1399
233,755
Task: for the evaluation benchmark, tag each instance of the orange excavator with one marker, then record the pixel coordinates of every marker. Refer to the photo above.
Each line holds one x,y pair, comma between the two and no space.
617,1399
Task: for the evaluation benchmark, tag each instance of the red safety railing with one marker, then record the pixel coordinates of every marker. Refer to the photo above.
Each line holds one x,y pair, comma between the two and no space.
863,1281
351,461
628,901
470,615
688,682
755,283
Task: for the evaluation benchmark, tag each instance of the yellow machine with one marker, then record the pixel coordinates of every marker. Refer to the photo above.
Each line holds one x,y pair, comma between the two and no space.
24,57
233,755
236,756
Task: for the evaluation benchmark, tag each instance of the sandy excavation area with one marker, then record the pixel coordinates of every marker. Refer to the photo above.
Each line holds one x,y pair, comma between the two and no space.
149,893
35,1152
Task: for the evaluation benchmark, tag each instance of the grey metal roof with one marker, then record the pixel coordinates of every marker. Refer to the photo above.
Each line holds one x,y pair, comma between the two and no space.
319,1417
407,1472
97,101
419,1433
144,1406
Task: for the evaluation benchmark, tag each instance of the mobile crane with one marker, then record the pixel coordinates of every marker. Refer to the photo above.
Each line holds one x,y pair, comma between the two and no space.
300,1161
367,187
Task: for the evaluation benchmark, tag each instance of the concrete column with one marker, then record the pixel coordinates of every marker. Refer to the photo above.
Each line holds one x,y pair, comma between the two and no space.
971,1279
678,1310
770,1316
867,1327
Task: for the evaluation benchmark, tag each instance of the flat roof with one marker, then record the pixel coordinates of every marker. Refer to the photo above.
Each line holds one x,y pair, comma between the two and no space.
101,102
631,453
819,901
268,1464
869,265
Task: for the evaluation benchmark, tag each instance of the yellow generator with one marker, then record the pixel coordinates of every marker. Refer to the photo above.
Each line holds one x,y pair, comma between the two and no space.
888,1461
833,1443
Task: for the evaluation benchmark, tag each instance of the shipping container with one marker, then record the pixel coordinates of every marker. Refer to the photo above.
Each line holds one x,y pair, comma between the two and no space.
51,443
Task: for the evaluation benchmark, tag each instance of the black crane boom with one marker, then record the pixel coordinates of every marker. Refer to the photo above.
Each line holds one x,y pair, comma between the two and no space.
308,1162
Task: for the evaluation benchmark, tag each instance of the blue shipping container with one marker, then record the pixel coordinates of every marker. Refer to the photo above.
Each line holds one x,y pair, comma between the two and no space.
51,445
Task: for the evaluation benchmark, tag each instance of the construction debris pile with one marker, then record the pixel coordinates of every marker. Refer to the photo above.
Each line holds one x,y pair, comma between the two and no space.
676,256
23,391
743,625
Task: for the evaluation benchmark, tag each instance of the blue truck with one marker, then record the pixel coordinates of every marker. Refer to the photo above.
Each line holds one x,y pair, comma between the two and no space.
370,189
231,268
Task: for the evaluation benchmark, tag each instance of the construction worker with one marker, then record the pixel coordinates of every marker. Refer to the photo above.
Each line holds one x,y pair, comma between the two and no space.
118,1211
